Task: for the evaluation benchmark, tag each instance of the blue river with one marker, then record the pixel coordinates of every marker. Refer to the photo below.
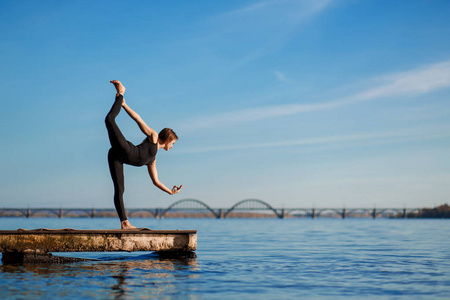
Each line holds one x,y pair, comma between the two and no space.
250,259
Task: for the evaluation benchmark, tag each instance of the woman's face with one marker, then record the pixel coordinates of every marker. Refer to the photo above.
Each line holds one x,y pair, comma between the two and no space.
169,145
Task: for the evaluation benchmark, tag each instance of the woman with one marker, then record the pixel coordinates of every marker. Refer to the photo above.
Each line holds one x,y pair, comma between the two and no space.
124,152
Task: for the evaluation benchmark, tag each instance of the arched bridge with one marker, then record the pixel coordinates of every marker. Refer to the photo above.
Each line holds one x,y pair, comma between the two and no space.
189,205
197,205
189,208
253,205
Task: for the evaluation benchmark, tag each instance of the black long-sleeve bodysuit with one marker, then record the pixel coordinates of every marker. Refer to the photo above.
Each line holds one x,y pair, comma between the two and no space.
124,152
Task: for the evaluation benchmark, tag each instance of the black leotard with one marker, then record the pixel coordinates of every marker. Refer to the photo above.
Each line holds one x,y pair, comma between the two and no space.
142,154
124,152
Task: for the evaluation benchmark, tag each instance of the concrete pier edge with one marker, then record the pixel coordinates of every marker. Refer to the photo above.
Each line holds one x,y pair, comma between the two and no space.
18,246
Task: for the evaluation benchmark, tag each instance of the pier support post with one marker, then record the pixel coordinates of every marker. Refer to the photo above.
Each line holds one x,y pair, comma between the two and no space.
344,214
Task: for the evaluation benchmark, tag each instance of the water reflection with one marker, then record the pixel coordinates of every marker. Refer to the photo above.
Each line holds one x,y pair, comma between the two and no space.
115,277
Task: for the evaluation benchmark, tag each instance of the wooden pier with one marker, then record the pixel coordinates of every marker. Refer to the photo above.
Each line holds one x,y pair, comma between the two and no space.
36,245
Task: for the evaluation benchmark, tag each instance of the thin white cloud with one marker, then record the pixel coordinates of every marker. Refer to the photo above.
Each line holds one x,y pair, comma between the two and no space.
281,77
418,81
386,137
269,25
422,80
305,7
252,8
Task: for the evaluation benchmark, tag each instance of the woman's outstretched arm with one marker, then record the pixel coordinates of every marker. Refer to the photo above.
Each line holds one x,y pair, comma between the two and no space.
154,176
142,125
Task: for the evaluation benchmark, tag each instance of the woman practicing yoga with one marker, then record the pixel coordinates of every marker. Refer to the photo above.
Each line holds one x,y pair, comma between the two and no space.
124,152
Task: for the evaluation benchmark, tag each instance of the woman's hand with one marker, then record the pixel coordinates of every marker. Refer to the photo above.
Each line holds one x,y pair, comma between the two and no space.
176,189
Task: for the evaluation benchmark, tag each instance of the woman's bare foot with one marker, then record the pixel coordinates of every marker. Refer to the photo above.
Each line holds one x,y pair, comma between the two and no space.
126,225
119,87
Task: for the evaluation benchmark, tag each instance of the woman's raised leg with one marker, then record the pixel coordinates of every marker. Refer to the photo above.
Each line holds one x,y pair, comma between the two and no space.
116,138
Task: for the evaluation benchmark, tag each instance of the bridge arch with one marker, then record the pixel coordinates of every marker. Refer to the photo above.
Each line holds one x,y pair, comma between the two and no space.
12,212
393,212
302,212
366,212
78,212
48,211
253,201
328,211
137,212
192,201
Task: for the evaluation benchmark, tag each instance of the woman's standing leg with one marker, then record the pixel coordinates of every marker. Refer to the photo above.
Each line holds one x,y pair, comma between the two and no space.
116,169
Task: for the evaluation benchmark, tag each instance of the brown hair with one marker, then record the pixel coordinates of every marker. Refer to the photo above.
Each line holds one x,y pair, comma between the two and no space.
167,135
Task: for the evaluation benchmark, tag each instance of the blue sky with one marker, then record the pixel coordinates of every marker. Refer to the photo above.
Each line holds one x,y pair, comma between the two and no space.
298,103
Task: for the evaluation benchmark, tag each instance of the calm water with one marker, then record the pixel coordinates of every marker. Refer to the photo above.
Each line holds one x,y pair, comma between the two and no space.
252,259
